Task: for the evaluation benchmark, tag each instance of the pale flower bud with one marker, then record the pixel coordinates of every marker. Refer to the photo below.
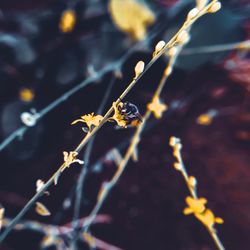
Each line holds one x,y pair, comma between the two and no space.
214,7
183,37
192,13
139,68
192,181
159,46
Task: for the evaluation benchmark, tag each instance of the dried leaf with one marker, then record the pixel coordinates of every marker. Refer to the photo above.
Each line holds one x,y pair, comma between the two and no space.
42,210
131,17
47,241
89,239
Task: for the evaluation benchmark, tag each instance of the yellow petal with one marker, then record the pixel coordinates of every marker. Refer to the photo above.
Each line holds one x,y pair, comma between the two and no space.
187,210
207,218
219,220
197,205
76,121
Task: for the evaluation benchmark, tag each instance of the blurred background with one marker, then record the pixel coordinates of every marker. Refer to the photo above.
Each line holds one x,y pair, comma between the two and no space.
49,47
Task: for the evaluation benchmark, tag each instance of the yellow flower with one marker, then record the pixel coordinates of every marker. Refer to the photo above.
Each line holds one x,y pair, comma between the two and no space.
195,206
204,119
90,120
70,158
67,21
207,118
26,95
157,107
208,218
131,17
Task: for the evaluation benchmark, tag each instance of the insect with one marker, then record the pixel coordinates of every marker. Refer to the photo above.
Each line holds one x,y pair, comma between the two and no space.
127,114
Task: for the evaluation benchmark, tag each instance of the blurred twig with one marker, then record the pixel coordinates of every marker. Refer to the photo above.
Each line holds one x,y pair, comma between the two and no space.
245,45
85,169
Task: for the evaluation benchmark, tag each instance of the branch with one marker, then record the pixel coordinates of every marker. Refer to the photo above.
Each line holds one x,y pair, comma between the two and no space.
175,45
179,39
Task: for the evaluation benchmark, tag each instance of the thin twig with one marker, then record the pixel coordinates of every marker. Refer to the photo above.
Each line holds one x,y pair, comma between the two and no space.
85,168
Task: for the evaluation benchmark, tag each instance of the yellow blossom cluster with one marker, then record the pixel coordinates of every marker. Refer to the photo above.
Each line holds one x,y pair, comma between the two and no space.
195,205
157,107
198,208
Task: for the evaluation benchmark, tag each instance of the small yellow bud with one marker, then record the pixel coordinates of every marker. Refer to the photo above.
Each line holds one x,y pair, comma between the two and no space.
204,119
192,181
139,68
177,166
